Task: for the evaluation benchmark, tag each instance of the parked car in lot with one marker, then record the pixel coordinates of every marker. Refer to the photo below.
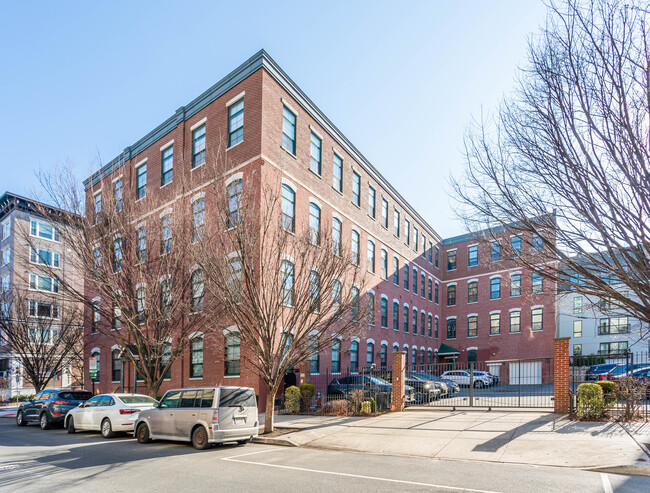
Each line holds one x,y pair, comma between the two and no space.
49,407
451,386
108,413
494,380
202,416
425,390
620,371
462,378
594,372
343,387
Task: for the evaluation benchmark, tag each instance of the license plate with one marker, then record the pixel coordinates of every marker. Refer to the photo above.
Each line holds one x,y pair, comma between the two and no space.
240,421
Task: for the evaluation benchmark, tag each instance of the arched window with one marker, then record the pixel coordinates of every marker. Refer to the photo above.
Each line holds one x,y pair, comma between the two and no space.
354,357
166,234
395,315
421,356
196,358
384,264
415,320
336,236
355,247
371,257
314,290
234,202
422,285
406,319
314,359
140,294
422,323
414,357
384,312
287,283
383,356
430,290
232,359
96,317
370,354
288,208
314,224
167,353
95,354
197,281
336,356
429,325
429,357
336,296
371,308
116,373
355,303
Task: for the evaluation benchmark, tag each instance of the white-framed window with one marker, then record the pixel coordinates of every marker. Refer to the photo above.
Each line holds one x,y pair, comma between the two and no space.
371,256
141,181
337,174
4,283
167,168
45,230
235,123
396,223
384,264
198,146
43,335
6,256
288,208
336,236
97,207
315,153
384,213
5,230
288,130
314,224
43,256
43,309
198,219
356,189
38,282
117,194
372,202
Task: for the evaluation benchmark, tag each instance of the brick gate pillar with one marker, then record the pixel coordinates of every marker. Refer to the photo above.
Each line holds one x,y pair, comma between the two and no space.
399,373
302,376
561,375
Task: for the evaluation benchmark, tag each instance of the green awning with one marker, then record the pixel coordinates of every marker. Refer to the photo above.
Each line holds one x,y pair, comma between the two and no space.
447,350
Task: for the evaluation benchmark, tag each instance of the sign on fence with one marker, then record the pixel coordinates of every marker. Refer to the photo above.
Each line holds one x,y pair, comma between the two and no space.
92,367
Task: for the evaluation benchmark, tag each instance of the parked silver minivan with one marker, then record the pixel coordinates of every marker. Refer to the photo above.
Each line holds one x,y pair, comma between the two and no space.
201,415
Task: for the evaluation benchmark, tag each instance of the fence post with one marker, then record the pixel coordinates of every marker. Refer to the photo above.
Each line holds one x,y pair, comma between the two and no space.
471,384
399,374
561,375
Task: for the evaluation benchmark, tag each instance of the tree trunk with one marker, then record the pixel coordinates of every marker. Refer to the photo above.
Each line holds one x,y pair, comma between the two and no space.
268,409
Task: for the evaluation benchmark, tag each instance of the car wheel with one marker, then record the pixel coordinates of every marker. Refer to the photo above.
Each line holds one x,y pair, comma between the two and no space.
243,442
44,421
70,425
143,433
479,384
107,429
200,438
20,419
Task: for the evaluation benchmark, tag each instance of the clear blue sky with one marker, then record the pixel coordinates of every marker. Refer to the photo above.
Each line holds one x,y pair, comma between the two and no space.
79,81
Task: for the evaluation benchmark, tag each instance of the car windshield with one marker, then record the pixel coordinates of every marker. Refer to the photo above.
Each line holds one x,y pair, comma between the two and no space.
236,397
76,396
379,381
137,399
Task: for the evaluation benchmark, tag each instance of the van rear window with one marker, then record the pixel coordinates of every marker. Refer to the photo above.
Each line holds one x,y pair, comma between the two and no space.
237,397
76,396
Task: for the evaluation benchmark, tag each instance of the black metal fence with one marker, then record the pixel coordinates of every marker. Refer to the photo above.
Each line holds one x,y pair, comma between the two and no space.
522,383
630,372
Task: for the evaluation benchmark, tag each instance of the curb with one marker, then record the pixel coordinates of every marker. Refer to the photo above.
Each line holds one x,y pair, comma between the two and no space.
631,470
282,442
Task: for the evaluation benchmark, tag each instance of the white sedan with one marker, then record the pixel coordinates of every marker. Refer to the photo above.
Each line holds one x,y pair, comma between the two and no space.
108,413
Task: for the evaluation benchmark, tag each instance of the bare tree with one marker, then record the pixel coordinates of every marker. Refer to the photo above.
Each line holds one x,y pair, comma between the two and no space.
566,157
43,334
291,290
142,291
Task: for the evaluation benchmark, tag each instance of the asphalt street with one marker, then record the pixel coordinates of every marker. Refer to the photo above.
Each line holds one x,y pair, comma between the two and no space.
36,460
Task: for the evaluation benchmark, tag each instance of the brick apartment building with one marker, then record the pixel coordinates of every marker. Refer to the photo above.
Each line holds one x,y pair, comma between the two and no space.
276,133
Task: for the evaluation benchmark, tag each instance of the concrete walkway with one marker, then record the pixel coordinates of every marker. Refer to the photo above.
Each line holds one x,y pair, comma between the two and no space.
540,439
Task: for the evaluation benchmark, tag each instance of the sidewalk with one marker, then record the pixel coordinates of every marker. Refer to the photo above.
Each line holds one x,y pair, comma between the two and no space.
534,438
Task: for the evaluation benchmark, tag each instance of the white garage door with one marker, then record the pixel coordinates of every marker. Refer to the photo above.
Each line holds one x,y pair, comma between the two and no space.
530,373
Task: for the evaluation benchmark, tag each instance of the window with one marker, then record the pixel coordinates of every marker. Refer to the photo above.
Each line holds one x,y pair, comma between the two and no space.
395,315
406,319
451,260
371,202
371,308
355,247
537,284
416,238
116,366
472,326
414,356
198,219
336,356
435,327
537,242
577,305
287,274
140,302
356,189
577,349
423,318
95,354
384,313
315,154
383,356
164,363
96,317
167,168
495,323
371,257
117,317
429,324
451,328
354,357
395,271
515,285
40,256
515,246
97,208
472,255
406,276
437,289
384,264
314,291
141,182
370,354
577,328
5,230
43,335
198,286
384,213
407,232
232,360
166,234
314,224
612,347
430,252
198,146
437,256
495,288
42,309
424,246
337,172
430,289
336,236
336,297
472,292
515,321
396,223
166,296
141,246
288,208
236,123
613,325
415,320
495,251
196,358
536,319
314,359
39,282
234,202
451,295
117,194
415,281
354,309
288,130
117,255
422,285
44,230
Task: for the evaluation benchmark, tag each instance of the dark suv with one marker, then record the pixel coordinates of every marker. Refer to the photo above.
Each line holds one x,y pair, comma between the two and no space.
49,407
344,386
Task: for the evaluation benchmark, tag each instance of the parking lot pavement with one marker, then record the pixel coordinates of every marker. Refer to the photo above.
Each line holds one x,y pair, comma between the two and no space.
31,458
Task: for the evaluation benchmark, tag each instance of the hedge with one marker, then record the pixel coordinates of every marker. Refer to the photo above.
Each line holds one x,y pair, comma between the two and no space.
609,391
591,403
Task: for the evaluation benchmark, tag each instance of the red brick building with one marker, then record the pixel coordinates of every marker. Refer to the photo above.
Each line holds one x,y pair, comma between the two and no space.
273,131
